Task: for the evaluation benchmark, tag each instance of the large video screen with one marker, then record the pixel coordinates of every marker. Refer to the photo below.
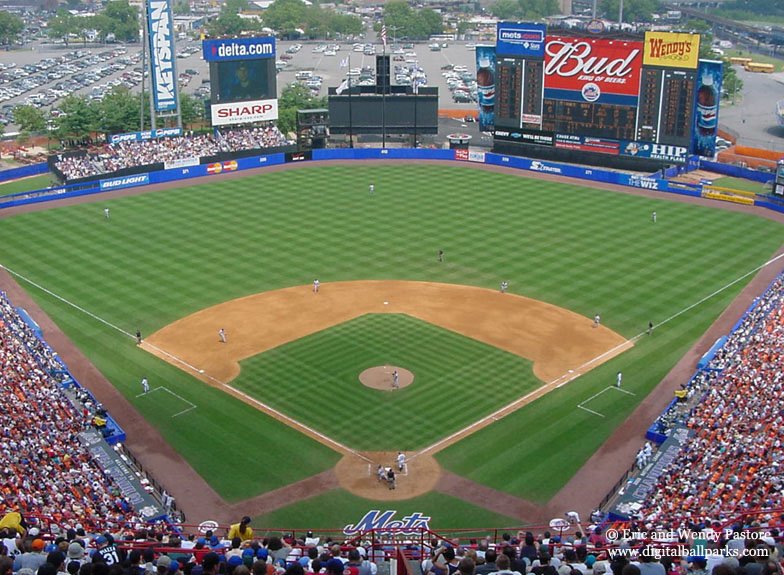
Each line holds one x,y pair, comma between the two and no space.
240,80
600,94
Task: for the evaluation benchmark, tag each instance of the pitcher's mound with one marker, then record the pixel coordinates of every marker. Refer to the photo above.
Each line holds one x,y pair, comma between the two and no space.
382,377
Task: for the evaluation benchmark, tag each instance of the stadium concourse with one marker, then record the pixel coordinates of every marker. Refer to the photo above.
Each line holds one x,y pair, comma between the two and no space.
110,158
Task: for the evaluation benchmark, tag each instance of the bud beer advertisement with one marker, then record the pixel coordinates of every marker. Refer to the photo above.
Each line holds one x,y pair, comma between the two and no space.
592,70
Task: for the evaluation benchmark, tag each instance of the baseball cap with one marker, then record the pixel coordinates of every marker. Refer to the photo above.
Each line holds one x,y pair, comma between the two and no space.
101,540
38,544
235,561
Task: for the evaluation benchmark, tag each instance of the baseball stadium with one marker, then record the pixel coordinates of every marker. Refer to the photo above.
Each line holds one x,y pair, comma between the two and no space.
392,359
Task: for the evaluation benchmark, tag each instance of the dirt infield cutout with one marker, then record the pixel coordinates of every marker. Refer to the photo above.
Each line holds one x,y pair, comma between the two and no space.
561,344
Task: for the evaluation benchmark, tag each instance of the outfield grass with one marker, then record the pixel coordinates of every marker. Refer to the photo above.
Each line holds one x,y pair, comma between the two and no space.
743,185
168,254
324,369
27,184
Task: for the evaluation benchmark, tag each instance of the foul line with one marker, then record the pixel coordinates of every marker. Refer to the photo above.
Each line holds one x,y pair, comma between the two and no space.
573,374
65,301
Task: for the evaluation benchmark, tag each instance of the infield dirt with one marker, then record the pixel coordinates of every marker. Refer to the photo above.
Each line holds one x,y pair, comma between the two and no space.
561,344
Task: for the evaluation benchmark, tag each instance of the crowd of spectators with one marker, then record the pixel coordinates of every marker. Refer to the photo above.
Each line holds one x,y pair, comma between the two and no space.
733,461
163,552
112,157
44,468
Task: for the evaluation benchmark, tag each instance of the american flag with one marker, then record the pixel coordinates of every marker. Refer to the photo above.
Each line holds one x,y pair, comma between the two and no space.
384,35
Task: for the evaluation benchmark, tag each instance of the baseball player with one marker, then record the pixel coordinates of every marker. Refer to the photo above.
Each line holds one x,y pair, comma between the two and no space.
618,379
597,320
106,213
401,461
138,337
316,285
145,385
650,327
653,217
440,256
222,335
395,380
372,188
504,286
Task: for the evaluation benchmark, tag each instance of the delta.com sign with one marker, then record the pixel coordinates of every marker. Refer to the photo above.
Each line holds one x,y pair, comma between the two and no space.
244,112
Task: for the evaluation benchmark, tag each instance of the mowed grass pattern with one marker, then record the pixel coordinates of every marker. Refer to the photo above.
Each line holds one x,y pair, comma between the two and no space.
167,254
450,372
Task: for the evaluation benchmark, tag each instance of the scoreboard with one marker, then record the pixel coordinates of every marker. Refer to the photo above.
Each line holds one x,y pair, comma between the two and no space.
600,94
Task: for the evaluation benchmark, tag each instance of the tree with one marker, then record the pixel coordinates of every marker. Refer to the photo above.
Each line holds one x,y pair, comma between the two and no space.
118,111
29,118
11,26
292,98
634,11
124,18
62,25
285,16
191,109
182,7
504,9
405,22
77,119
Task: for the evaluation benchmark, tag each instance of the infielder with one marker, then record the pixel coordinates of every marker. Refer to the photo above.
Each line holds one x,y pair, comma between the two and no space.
316,285
597,320
222,335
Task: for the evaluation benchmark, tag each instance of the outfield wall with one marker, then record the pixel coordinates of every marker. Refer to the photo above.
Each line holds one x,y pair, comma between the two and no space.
118,182
24,172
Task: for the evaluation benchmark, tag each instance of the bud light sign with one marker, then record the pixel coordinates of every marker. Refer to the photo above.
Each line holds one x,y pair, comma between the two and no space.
520,39
161,39
706,110
485,86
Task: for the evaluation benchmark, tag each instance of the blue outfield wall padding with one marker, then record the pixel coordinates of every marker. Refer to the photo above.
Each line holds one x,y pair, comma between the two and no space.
770,206
24,172
737,171
382,154
30,322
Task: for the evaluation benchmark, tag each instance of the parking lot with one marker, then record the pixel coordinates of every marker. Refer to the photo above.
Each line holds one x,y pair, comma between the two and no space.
45,74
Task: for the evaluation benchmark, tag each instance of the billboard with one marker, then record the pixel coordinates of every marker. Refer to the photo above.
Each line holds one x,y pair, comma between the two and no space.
520,39
706,109
238,49
485,86
592,70
161,39
145,135
244,112
671,50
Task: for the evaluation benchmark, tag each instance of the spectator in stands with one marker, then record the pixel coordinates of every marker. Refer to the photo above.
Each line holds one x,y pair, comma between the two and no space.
33,558
241,530
504,565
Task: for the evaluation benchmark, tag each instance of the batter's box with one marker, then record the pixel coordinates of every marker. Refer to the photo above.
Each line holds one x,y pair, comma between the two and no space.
594,396
175,402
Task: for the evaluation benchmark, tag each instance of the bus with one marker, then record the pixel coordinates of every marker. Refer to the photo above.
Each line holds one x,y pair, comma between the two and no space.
739,60
759,67
443,37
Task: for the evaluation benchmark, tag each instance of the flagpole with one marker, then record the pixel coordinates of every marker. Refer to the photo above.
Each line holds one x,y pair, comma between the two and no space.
416,94
350,112
384,87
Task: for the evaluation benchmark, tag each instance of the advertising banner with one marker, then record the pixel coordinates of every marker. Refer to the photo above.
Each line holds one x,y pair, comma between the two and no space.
525,136
520,39
238,49
587,144
706,109
664,152
145,135
485,86
244,112
671,50
125,182
592,70
161,38
180,163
